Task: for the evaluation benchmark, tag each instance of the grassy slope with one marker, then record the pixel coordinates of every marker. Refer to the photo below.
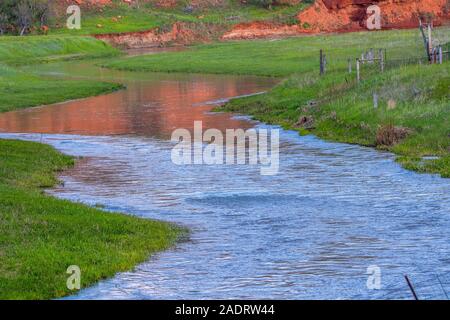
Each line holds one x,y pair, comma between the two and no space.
41,236
38,49
346,114
19,89
345,111
148,17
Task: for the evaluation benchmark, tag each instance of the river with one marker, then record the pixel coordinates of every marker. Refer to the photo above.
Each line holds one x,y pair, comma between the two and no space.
309,232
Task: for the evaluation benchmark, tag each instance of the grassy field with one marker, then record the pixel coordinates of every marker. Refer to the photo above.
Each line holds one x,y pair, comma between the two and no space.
19,89
413,99
147,16
277,58
40,236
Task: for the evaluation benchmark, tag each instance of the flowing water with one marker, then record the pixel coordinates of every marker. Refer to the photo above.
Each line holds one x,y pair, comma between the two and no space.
309,232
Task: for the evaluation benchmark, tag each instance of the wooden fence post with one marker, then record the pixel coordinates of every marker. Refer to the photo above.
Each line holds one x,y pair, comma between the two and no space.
375,100
441,57
425,40
381,57
358,75
321,63
430,39
349,65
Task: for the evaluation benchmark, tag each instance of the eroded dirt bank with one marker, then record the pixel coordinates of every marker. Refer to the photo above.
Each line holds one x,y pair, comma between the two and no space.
180,34
347,16
323,16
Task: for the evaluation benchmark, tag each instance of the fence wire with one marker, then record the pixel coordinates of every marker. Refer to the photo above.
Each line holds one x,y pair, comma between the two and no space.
432,286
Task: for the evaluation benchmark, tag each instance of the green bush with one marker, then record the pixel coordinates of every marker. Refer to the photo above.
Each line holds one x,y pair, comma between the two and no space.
20,16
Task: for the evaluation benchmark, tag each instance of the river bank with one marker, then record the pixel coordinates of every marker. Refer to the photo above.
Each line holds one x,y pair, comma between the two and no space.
420,103
19,89
412,117
308,233
41,235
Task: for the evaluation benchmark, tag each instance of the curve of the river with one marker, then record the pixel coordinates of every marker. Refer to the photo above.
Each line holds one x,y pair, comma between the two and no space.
309,232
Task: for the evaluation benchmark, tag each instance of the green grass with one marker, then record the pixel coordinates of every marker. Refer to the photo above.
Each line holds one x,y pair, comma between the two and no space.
148,17
41,49
277,58
345,110
20,89
40,236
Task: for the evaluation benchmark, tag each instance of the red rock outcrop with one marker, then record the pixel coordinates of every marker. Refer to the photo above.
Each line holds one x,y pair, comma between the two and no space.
345,16
350,15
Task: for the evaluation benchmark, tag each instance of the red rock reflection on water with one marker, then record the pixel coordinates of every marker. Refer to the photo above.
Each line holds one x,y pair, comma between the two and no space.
146,108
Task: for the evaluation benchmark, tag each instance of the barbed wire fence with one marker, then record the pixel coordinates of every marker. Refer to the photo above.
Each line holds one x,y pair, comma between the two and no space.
371,61
431,286
425,285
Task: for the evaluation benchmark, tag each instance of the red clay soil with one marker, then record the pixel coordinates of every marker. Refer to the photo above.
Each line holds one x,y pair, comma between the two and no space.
346,16
142,39
321,17
180,34
258,30
350,15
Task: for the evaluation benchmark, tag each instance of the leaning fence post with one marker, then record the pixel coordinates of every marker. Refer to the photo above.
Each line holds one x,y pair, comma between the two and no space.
411,288
358,76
